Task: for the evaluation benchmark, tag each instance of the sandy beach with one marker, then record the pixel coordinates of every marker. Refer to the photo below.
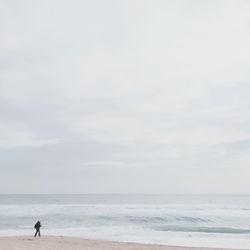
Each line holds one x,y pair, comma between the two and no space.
68,243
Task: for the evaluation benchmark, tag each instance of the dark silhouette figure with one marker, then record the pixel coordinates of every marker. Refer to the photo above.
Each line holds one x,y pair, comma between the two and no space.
37,227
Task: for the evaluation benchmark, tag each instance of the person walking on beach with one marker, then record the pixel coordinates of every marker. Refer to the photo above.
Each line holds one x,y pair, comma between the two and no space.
37,227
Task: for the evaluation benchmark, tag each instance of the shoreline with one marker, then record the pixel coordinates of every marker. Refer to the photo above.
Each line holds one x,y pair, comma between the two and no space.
71,243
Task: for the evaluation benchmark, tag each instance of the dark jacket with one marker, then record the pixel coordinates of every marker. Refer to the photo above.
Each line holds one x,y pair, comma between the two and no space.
37,225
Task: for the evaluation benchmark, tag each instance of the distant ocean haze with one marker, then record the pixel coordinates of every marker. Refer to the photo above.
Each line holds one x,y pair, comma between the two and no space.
191,220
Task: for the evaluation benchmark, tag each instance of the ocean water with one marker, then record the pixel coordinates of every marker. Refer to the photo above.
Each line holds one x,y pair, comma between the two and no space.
184,220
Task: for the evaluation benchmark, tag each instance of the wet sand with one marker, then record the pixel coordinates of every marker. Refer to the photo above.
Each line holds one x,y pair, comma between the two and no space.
68,243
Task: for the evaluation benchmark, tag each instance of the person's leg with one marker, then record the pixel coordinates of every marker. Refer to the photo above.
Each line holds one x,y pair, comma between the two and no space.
36,233
39,232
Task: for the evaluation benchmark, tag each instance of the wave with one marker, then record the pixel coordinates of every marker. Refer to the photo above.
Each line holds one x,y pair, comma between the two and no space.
218,230
154,219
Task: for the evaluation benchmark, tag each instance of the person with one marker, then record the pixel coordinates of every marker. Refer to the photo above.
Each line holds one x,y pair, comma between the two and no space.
37,227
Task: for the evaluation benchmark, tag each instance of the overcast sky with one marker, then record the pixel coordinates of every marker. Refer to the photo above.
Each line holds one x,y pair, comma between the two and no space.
130,96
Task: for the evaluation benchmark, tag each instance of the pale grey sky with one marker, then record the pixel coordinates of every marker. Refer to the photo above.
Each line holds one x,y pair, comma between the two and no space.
130,96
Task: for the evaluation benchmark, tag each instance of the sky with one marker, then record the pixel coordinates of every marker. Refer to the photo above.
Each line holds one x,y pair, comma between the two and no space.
135,96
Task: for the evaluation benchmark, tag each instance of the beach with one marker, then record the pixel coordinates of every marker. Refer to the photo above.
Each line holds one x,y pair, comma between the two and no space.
190,221
70,243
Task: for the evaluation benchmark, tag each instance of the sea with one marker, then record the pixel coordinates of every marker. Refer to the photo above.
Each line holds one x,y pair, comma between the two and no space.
183,220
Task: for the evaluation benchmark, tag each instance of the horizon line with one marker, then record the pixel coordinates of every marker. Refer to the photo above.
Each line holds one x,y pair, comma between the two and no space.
170,194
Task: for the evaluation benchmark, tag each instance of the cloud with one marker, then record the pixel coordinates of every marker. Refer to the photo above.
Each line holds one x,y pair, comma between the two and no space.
124,90
21,142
